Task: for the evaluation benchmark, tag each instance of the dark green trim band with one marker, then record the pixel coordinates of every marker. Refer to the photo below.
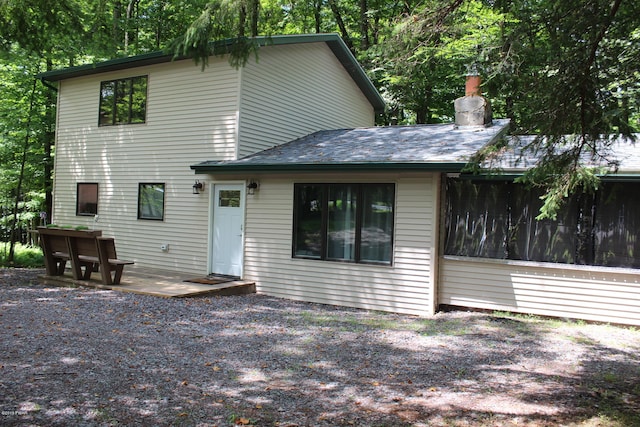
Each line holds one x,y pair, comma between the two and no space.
512,176
105,66
324,167
620,178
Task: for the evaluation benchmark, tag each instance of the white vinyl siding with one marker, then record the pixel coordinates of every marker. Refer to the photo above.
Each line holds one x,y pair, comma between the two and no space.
293,91
191,117
404,287
581,292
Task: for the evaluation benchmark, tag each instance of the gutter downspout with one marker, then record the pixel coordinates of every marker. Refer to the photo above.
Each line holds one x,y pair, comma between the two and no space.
47,84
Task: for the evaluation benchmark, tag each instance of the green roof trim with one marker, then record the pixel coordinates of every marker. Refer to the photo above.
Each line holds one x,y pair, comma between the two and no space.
105,66
497,176
217,169
333,41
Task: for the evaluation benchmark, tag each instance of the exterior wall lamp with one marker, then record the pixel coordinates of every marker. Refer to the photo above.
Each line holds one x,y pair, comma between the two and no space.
252,187
197,187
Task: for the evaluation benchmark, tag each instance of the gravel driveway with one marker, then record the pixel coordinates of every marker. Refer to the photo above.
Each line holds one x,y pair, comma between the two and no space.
75,356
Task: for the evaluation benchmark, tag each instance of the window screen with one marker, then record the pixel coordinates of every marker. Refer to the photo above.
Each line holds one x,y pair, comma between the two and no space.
497,219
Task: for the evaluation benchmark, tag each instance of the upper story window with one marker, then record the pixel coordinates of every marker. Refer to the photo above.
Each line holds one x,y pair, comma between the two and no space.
123,101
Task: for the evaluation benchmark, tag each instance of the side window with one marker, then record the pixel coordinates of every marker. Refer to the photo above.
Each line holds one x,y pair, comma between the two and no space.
87,198
151,201
123,101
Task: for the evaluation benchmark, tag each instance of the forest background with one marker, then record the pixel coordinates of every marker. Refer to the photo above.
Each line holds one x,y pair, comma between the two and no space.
564,70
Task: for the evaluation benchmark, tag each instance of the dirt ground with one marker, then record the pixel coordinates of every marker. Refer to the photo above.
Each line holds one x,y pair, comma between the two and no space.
75,356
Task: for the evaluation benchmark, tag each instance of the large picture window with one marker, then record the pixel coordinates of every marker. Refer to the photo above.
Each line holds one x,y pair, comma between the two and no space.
344,222
123,101
151,201
87,198
497,219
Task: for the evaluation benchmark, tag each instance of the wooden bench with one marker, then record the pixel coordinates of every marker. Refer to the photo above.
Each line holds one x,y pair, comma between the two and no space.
56,253
86,250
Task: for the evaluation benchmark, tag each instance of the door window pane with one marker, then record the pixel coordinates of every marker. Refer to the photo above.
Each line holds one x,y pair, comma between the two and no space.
229,198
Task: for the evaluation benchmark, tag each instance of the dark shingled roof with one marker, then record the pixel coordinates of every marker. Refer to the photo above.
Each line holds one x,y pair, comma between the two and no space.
443,147
620,155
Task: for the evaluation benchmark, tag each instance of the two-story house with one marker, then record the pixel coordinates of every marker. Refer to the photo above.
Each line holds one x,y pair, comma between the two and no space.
274,172
129,129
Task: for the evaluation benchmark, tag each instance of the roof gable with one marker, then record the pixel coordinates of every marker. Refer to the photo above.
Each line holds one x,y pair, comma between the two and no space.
333,41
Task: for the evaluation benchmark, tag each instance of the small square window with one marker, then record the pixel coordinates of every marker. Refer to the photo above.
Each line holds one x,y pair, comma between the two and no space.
87,199
151,201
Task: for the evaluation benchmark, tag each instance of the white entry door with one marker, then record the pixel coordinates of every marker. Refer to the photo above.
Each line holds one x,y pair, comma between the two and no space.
228,229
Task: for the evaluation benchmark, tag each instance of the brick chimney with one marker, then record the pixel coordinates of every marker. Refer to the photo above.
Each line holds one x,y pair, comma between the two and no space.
472,109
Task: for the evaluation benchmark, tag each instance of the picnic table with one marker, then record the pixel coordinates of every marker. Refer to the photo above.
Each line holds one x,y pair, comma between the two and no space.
86,250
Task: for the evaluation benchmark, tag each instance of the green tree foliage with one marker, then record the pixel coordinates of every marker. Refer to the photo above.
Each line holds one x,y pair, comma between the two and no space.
420,65
574,84
31,32
567,70
219,20
38,26
22,151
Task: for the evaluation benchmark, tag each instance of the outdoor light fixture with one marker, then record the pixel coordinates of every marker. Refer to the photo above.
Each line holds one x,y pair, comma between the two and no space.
197,187
252,187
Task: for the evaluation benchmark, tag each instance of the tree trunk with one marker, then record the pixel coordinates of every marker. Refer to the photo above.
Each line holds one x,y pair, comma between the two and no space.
316,14
255,9
49,142
340,22
160,25
423,112
131,7
25,148
364,25
242,18
115,29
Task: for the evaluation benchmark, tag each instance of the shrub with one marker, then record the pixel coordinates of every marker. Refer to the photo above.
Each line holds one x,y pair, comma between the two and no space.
23,256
